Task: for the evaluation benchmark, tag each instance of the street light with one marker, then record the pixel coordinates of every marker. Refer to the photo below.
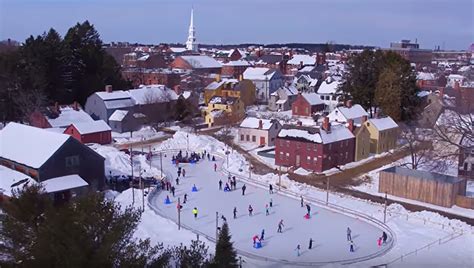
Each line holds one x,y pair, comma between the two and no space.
227,155
385,208
250,172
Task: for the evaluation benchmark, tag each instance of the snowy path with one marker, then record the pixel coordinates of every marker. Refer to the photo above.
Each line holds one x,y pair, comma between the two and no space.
327,228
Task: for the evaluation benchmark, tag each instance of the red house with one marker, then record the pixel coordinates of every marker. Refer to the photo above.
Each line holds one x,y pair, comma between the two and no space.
316,149
307,104
91,132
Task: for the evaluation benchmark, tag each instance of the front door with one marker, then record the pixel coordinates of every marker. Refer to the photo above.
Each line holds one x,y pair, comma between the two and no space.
262,140
297,160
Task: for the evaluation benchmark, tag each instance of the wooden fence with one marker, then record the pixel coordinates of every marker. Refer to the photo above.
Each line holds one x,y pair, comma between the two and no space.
465,201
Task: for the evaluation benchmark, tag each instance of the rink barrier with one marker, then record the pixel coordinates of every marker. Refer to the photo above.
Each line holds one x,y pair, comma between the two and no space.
336,208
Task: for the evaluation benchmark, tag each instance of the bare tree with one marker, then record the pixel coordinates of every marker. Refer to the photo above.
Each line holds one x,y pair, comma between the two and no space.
453,126
29,101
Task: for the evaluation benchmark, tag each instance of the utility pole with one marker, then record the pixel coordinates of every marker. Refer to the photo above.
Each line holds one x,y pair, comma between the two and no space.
142,188
327,190
385,209
217,226
161,164
187,142
279,178
150,155
179,214
131,165
250,172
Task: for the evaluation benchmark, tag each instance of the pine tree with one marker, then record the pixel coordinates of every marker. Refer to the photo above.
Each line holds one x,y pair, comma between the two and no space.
196,255
226,255
388,93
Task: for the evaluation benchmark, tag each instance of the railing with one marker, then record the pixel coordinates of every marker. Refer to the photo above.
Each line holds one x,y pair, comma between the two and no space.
293,195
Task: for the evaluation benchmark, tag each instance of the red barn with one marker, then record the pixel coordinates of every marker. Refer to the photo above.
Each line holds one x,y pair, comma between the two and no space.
91,132
316,149
307,104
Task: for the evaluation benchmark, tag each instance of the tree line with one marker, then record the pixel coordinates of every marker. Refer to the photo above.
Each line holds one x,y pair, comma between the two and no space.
48,68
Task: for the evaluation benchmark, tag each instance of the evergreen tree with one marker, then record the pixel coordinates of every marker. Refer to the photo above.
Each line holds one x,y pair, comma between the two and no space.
388,93
182,110
196,255
225,252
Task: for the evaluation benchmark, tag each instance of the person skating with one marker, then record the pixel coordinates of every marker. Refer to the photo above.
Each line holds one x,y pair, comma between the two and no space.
270,188
379,241
351,246
220,184
255,238
235,182
172,190
280,227
235,212
213,158
208,157
184,173
177,180
302,201
243,189
223,218
179,172
226,188
308,209
310,243
298,248
215,166
267,211
195,213
185,198
262,235
384,237
271,202
349,231
250,210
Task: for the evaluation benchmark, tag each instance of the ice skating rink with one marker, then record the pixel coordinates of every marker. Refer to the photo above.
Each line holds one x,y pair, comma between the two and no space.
326,227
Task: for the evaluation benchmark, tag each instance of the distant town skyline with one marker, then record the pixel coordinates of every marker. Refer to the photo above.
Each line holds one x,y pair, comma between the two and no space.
365,22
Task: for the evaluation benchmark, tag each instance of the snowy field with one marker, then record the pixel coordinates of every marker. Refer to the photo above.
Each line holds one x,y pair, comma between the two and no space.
417,233
144,133
327,228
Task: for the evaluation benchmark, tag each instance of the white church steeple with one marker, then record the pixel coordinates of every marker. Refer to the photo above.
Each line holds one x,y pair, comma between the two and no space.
191,42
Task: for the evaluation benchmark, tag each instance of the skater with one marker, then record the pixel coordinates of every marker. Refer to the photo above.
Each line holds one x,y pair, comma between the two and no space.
177,181
235,212
215,166
213,158
298,250
310,243
184,173
235,182
267,212
255,238
226,188
280,226
302,202
172,190
379,241
351,246
349,231
220,184
250,210
185,198
195,213
223,218
384,237
208,157
308,208
270,188
262,236
179,172
271,202
243,189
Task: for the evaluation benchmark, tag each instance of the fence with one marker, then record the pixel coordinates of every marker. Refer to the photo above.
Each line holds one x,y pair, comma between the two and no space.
293,195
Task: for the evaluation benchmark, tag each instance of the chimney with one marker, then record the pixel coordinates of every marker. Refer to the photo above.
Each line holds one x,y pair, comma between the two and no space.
108,88
241,77
260,124
76,106
350,125
299,123
326,124
349,103
301,64
364,118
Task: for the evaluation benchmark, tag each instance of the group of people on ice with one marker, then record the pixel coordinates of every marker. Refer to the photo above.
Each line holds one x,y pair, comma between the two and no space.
192,157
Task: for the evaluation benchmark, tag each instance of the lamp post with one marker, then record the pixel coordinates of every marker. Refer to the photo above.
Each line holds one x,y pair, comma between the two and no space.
161,164
217,226
250,172
385,209
227,155
327,190
179,214
187,142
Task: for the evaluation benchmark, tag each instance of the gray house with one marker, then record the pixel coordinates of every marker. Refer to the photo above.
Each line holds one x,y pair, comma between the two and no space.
44,155
282,99
266,81
125,121
101,105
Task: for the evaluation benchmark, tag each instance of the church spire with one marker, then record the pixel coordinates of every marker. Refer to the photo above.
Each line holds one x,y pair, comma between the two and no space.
191,42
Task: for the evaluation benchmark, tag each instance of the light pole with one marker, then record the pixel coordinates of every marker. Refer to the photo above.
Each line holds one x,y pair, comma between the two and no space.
217,226
385,209
327,190
250,172
187,142
161,164
150,155
179,214
227,155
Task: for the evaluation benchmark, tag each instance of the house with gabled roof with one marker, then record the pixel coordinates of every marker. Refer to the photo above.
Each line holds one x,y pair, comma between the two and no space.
342,114
266,81
197,63
383,134
261,132
90,132
283,98
307,104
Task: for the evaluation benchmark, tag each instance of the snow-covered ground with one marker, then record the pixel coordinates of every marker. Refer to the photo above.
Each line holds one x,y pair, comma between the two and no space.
413,230
144,133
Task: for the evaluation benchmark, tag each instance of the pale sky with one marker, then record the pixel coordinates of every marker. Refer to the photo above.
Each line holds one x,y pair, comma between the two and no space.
363,22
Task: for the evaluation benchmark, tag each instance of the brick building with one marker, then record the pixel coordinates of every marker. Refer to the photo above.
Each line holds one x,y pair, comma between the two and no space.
316,149
197,63
234,68
90,132
307,104
143,76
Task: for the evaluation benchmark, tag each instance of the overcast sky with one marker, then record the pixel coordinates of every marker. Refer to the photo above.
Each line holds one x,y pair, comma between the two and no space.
365,22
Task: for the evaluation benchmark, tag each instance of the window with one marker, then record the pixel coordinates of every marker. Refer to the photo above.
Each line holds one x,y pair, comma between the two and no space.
241,137
306,110
308,158
330,146
298,145
315,159
72,161
254,139
273,139
287,143
347,155
281,143
308,147
296,109
322,97
329,158
247,138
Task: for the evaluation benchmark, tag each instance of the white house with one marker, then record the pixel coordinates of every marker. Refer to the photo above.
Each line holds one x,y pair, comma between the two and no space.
266,81
328,92
343,113
259,131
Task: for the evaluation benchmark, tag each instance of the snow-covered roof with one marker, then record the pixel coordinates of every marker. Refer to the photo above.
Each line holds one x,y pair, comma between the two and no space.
300,133
252,122
425,76
200,61
281,101
258,73
317,135
337,133
383,123
119,103
312,98
237,63
222,100
114,95
63,183
144,58
68,116
29,145
92,127
118,115
306,59
216,113
10,177
306,69
328,87
152,94
342,114
177,49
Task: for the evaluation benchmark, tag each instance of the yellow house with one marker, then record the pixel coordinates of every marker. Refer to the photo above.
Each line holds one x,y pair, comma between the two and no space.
362,149
383,134
222,110
243,89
